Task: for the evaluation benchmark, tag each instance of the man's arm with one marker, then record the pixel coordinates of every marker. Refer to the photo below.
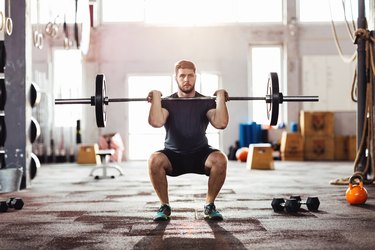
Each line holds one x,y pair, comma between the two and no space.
157,115
219,117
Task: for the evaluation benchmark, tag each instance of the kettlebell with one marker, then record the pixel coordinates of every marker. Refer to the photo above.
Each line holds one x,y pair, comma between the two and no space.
356,194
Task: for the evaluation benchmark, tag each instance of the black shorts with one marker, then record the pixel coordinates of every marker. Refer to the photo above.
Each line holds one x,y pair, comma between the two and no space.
188,163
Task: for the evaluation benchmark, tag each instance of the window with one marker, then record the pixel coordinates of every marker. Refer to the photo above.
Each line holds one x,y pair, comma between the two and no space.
144,139
67,79
264,59
206,12
319,10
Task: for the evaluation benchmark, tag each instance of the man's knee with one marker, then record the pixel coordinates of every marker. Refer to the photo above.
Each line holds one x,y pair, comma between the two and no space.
218,161
158,162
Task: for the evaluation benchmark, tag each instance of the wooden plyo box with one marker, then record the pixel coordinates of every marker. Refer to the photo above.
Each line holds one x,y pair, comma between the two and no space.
316,123
292,156
260,156
319,148
291,142
291,147
87,154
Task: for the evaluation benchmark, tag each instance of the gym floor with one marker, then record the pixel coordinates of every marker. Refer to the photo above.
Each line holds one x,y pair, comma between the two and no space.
67,209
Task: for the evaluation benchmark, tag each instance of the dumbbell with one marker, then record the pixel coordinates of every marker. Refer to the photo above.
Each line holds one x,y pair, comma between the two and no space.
291,205
16,203
312,203
3,206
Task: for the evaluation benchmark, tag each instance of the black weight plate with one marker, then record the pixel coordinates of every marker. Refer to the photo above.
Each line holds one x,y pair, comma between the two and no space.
100,94
34,130
3,94
278,204
3,56
34,165
291,206
2,159
274,95
3,130
34,94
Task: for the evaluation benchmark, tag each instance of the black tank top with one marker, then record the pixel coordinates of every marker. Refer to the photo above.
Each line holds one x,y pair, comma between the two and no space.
186,124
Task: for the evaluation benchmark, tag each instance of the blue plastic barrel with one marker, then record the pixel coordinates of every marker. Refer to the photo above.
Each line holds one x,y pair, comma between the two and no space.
249,133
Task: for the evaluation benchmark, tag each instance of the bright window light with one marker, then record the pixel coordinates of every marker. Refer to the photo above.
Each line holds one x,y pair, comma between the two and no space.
264,59
141,86
144,139
67,85
319,10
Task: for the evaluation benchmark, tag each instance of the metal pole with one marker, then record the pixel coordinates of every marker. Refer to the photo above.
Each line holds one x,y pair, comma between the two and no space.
362,79
285,99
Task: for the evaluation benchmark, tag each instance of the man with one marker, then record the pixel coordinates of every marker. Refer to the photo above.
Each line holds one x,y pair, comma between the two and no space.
186,146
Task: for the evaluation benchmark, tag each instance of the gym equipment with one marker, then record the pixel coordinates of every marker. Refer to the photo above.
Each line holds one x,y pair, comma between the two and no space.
78,132
52,28
34,130
241,154
293,204
3,57
34,94
3,130
34,165
356,194
104,158
3,206
260,157
16,203
38,39
273,98
3,94
290,205
8,22
2,159
312,203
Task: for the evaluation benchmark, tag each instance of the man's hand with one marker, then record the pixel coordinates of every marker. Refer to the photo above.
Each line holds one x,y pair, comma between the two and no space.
157,115
154,95
222,93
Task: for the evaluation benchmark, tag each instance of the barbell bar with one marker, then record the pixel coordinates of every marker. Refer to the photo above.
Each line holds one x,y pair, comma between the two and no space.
273,99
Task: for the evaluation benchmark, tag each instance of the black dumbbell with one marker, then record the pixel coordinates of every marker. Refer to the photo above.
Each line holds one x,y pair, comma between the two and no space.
291,205
3,206
16,203
312,203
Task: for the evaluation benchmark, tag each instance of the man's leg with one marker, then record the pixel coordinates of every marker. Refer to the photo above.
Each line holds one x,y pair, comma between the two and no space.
158,165
216,164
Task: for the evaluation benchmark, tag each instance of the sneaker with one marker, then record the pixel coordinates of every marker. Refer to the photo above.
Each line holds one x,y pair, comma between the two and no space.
163,213
211,213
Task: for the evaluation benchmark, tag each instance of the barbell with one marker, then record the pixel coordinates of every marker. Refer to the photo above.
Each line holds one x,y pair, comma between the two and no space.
273,99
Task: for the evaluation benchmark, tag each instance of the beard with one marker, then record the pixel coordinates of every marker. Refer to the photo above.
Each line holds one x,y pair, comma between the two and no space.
187,89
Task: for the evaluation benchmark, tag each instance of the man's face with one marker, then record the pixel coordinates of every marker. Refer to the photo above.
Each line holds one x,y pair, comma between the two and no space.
186,80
